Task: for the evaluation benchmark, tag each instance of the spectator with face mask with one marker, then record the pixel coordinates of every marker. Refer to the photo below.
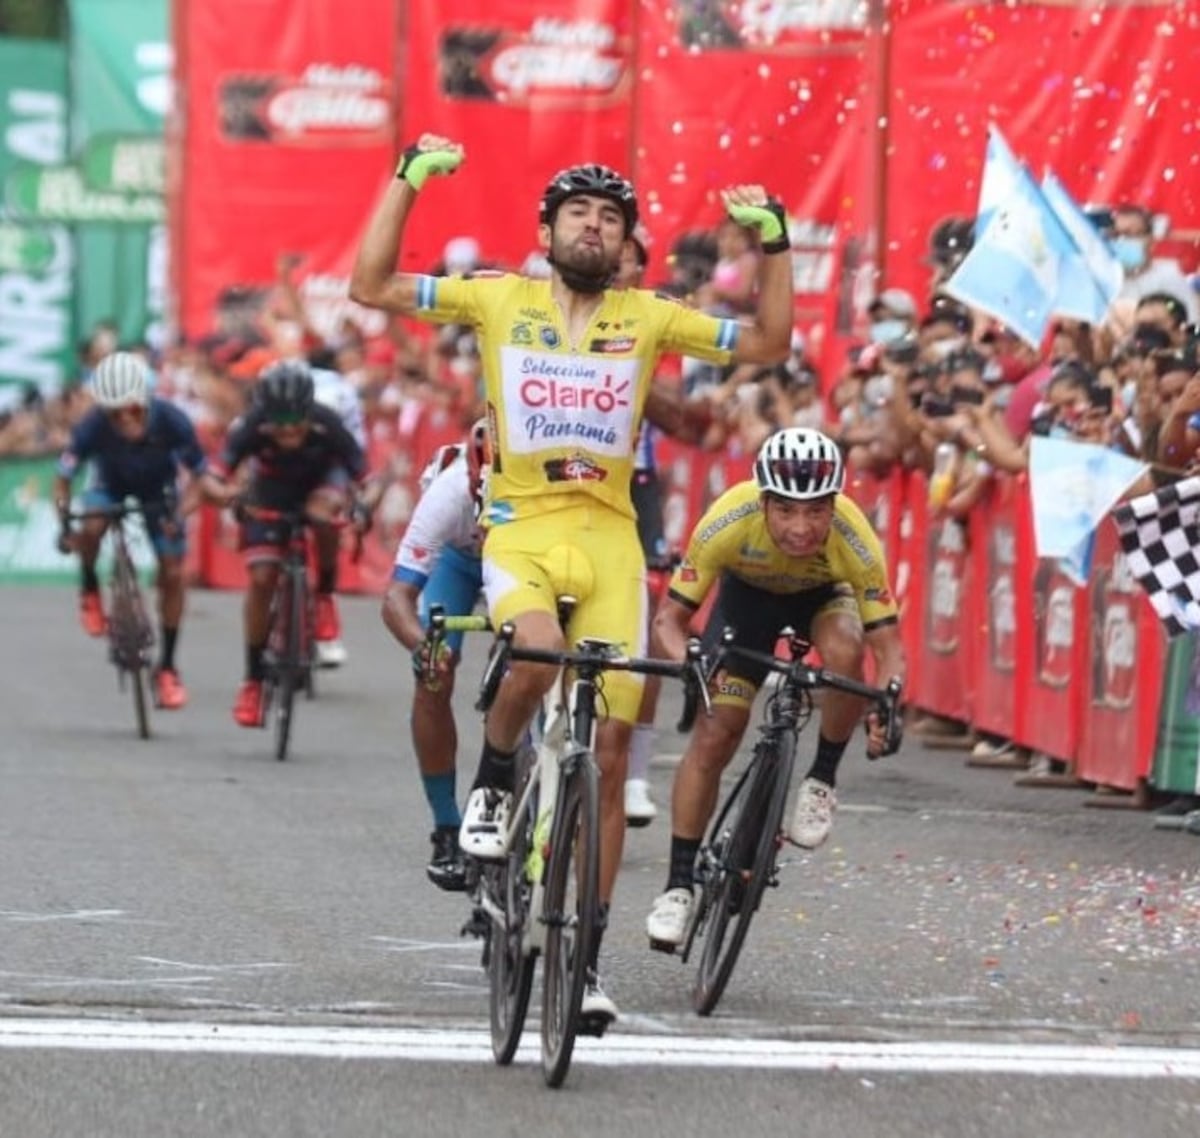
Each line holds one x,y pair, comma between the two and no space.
1132,244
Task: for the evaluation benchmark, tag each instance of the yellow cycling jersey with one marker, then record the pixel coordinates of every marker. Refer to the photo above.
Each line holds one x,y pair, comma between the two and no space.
732,538
564,417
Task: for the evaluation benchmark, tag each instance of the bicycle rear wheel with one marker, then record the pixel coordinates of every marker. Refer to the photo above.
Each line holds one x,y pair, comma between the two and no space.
569,909
743,863
510,966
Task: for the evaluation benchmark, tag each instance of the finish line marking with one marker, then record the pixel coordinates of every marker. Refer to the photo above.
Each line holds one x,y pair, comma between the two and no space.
416,1045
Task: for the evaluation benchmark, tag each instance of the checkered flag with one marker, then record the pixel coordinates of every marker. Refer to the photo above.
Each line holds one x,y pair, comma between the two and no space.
1160,535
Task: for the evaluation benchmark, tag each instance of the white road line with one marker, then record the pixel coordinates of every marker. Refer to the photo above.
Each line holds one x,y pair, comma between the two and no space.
336,1042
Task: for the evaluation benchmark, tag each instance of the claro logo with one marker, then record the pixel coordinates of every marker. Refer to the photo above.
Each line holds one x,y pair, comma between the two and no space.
556,394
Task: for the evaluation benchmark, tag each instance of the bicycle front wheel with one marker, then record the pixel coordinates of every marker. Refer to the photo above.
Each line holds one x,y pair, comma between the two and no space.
131,635
742,863
510,966
291,609
569,909
139,679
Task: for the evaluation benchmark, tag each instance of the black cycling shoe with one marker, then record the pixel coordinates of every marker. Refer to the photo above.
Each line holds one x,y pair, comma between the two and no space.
447,868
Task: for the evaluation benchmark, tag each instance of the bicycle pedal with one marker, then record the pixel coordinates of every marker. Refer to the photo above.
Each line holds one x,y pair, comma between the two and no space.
477,925
595,1025
664,946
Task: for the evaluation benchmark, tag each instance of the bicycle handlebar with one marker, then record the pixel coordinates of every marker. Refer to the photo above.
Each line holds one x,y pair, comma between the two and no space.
592,656
806,677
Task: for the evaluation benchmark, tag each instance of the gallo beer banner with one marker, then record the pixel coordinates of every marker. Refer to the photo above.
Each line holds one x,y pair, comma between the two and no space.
527,88
769,91
289,129
1096,91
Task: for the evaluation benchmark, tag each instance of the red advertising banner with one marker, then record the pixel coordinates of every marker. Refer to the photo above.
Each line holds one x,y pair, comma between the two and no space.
762,91
283,140
998,551
1097,91
1125,662
943,684
527,88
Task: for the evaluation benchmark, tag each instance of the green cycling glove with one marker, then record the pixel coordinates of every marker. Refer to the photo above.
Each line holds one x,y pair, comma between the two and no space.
770,221
416,164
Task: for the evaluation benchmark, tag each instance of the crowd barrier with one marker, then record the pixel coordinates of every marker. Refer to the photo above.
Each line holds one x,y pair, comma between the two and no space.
997,640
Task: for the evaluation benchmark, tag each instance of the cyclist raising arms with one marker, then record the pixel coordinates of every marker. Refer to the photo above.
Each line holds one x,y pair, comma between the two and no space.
788,549
567,367
438,563
137,444
302,455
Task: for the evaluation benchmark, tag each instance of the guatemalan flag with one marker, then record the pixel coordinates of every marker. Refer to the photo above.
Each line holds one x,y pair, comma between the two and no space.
1092,276
1014,269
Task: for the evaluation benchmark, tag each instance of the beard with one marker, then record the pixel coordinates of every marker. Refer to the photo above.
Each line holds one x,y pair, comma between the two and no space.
583,269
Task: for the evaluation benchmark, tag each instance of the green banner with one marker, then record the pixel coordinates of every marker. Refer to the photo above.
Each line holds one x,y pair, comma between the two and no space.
120,65
29,528
114,163
37,259
58,193
1177,757
29,524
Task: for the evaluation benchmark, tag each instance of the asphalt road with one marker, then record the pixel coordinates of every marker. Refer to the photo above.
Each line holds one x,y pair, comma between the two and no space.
198,940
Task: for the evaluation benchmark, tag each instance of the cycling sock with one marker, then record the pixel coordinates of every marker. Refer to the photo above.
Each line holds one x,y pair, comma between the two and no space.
597,937
683,862
254,662
91,582
327,580
169,638
825,765
495,768
640,749
439,793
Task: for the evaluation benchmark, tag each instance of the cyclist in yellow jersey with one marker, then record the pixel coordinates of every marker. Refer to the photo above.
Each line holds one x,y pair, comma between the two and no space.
567,368
788,548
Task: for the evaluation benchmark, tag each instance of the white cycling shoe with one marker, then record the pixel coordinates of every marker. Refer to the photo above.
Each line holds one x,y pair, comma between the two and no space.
639,806
812,818
484,830
667,923
596,1010
330,653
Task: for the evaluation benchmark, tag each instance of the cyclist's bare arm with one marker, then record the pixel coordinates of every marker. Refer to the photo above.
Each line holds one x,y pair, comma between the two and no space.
669,630
768,339
374,281
887,648
400,613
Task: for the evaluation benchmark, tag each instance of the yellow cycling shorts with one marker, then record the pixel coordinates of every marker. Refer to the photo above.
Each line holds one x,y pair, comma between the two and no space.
590,552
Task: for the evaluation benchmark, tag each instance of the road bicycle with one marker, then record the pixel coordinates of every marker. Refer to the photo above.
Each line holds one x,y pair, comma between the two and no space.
130,631
739,859
288,660
542,899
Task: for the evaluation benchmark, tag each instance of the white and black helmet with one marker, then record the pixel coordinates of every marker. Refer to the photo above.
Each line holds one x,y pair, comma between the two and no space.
799,463
121,379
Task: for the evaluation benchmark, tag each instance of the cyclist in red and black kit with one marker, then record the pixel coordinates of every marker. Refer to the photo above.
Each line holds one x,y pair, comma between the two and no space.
304,458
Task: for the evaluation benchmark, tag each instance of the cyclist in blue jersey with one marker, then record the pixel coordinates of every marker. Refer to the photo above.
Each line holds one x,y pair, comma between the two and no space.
439,563
136,445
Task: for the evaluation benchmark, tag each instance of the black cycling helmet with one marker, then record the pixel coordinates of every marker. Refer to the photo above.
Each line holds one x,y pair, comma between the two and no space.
285,391
595,180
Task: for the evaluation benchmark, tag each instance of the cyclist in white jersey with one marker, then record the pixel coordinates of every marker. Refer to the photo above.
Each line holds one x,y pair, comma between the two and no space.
439,563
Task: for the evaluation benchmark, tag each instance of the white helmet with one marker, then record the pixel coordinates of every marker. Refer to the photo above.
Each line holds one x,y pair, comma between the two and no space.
121,380
799,463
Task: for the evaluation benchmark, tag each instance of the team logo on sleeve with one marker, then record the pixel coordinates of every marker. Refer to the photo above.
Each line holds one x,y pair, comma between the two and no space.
549,336
521,334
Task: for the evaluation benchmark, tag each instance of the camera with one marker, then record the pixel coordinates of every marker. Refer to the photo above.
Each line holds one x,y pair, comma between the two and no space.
963,394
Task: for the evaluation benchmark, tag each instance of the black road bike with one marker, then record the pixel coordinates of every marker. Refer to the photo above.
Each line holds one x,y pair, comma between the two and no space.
131,637
739,858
